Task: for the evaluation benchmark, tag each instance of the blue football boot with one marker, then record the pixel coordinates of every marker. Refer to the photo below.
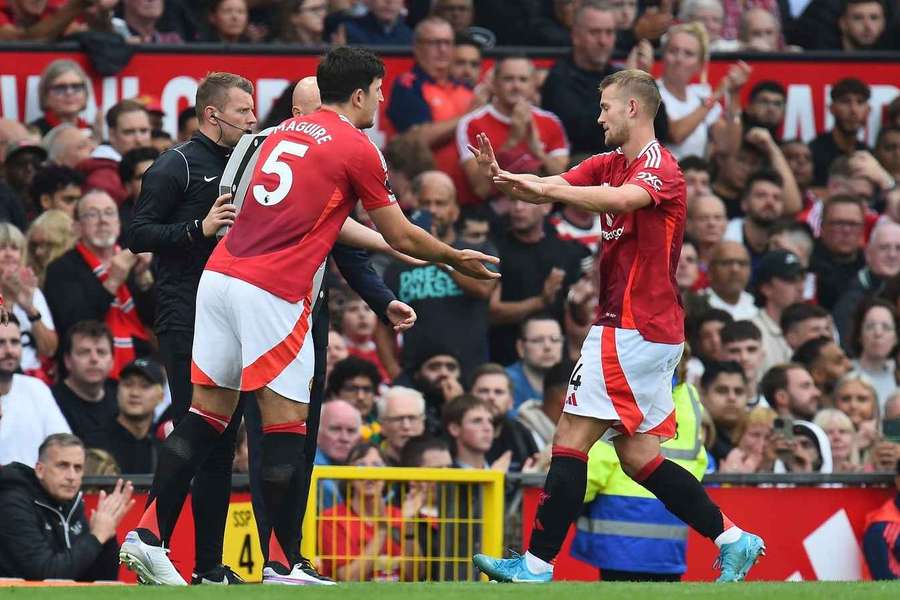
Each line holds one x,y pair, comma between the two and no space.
509,570
736,559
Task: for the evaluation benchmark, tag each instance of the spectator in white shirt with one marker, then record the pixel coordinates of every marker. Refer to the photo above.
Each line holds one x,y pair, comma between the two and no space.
692,110
21,290
29,411
729,274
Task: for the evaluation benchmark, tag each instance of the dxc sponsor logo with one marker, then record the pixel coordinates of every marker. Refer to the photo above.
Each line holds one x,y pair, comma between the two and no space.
614,234
650,179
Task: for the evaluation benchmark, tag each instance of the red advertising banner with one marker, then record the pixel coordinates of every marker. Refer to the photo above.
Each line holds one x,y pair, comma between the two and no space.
811,533
173,79
241,549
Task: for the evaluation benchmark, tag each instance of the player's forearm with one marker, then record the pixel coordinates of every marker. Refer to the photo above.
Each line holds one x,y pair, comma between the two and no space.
414,241
358,235
596,198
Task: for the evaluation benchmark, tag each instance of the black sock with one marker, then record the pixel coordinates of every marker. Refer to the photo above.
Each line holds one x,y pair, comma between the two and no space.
180,456
683,496
283,483
561,501
210,497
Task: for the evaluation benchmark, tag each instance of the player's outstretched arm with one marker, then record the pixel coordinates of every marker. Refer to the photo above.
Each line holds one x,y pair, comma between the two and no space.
353,233
595,198
409,239
489,168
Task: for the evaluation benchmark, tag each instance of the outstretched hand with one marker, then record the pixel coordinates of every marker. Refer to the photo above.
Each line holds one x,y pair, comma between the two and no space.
471,263
401,315
484,156
520,187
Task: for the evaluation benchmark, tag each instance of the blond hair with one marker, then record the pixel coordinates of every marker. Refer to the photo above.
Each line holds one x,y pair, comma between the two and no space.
698,31
638,84
100,462
759,415
58,227
827,416
11,236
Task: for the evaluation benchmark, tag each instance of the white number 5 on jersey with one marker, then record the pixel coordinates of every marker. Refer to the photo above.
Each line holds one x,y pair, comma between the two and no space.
281,169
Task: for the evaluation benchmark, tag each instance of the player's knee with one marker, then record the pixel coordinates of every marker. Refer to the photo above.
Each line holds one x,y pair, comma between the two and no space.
576,432
218,421
275,408
635,460
215,400
630,466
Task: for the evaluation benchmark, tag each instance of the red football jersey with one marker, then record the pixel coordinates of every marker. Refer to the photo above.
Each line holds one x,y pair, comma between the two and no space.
640,249
497,127
309,175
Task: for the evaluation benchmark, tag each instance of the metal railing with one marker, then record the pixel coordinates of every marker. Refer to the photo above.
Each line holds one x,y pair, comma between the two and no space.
241,481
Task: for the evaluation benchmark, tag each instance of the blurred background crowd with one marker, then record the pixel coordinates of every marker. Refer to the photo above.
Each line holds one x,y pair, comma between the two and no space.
790,270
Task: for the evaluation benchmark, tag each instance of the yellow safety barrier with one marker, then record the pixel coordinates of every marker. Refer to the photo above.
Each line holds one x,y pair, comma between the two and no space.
406,524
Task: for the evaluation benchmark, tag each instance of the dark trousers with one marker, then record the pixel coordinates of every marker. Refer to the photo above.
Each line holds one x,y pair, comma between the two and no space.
211,488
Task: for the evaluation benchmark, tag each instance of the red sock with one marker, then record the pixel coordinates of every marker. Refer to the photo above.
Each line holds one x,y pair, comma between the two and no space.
148,520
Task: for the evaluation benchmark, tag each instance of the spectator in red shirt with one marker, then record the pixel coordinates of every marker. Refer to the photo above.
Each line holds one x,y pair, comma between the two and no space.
427,101
39,20
364,538
129,127
358,328
530,140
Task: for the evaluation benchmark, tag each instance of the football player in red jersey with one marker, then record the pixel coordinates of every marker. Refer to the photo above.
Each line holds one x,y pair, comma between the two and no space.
256,300
621,388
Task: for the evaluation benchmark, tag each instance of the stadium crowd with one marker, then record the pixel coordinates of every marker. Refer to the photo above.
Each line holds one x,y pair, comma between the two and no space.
790,269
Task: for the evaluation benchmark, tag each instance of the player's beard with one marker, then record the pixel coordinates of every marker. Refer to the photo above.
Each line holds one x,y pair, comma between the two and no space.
615,137
368,123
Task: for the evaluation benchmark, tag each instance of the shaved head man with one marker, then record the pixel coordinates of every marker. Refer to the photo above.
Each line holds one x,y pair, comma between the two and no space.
729,274
306,97
437,194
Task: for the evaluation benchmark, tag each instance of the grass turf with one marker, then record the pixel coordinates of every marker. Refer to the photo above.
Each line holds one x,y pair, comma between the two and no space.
476,591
